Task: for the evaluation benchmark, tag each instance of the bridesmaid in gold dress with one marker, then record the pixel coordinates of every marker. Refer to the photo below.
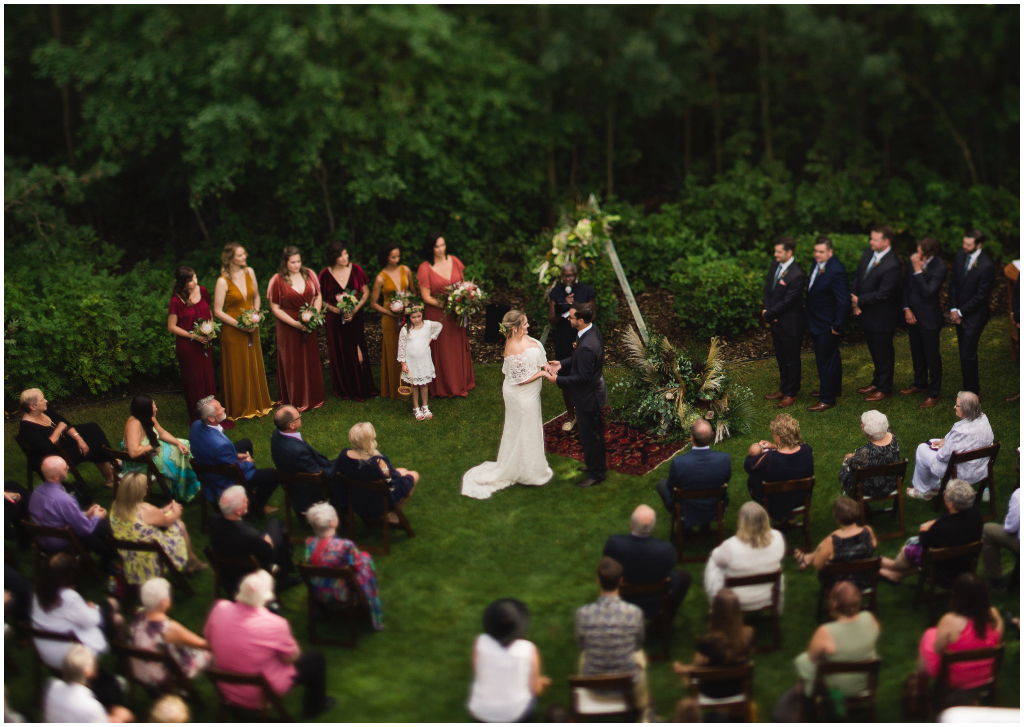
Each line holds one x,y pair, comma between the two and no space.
393,277
243,379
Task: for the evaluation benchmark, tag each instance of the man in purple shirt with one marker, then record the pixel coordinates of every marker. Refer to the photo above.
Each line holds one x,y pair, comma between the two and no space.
51,505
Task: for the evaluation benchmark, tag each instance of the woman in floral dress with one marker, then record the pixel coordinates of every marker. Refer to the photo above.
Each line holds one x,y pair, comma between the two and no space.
153,630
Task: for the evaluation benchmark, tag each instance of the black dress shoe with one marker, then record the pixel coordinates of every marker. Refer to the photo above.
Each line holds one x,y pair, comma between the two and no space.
590,482
582,469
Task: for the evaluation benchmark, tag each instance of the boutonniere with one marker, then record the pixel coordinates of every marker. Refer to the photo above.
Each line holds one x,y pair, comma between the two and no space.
574,343
782,280
971,266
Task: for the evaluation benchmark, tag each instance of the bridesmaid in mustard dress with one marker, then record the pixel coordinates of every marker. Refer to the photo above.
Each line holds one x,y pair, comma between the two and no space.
392,278
243,379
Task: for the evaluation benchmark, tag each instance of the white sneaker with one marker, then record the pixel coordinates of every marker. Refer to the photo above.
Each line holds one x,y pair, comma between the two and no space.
418,413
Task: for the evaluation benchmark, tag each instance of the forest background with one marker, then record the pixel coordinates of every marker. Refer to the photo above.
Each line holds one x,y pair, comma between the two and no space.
138,138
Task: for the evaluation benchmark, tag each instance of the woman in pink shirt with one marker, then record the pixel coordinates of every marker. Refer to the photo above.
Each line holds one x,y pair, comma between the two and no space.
247,638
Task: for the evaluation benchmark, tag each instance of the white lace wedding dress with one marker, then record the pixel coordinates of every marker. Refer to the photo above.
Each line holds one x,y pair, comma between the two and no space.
521,454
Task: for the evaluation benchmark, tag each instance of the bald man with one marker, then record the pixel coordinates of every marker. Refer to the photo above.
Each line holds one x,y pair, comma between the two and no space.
699,469
52,506
294,455
645,560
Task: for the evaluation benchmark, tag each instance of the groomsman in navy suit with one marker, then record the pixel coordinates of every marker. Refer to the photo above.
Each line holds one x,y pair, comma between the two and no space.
783,310
828,309
970,293
876,299
921,287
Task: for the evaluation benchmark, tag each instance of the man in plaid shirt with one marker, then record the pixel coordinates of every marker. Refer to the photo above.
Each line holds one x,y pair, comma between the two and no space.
610,633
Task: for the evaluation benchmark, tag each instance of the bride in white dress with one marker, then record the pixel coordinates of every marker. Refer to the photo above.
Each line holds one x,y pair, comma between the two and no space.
521,454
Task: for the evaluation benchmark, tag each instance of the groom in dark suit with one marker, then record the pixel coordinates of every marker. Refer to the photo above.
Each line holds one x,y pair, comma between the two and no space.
294,455
585,382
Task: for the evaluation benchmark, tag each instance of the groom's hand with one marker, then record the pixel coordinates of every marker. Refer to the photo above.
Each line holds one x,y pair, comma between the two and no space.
554,366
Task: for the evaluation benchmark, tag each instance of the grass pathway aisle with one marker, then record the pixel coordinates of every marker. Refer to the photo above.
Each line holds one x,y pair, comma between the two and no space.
542,545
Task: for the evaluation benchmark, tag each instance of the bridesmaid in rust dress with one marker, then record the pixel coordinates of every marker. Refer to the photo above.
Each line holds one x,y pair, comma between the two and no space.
190,302
346,338
392,278
243,379
452,360
300,377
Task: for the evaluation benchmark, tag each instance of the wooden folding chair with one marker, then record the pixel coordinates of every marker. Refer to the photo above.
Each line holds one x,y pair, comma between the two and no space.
585,703
203,472
30,632
897,470
219,562
176,682
987,482
772,609
286,481
382,487
926,579
834,572
268,697
680,530
804,511
147,461
31,454
65,533
863,701
357,601
989,690
738,707
662,623
170,571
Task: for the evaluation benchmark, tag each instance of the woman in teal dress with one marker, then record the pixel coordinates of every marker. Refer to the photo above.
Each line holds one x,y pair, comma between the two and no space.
171,455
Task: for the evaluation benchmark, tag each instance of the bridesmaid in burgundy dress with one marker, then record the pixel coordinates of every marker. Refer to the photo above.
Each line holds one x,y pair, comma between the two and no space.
346,337
452,360
190,302
300,377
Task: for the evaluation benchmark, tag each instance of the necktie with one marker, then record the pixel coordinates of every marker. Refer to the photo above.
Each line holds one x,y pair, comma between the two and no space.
778,274
967,265
874,262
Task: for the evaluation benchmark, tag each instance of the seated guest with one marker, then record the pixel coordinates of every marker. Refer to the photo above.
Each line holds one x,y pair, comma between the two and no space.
972,432
293,455
698,469
170,708
42,428
727,643
961,526
52,506
16,499
507,676
755,549
996,536
232,537
882,448
850,542
850,637
247,638
144,435
210,446
152,630
647,560
72,700
784,459
364,462
132,518
610,633
327,549
970,624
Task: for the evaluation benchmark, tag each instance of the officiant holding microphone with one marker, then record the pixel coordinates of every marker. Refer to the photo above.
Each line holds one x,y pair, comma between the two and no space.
565,293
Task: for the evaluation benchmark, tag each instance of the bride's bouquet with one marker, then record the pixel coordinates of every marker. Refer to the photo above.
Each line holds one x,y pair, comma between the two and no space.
461,300
347,303
206,329
310,318
249,319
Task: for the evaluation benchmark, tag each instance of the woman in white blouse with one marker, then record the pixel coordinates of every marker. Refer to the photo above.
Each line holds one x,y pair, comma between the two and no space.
973,431
754,549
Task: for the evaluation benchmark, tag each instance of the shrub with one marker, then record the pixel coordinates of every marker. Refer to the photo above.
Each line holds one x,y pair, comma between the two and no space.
717,295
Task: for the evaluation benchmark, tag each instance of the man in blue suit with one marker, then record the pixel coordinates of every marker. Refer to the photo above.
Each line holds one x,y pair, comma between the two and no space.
293,455
210,446
698,469
828,308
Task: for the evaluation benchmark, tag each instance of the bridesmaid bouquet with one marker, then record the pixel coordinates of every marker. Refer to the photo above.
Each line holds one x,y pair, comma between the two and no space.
463,299
249,318
400,300
347,303
206,329
310,318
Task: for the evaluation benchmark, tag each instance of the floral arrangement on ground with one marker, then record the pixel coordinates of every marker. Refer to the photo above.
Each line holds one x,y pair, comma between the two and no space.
667,390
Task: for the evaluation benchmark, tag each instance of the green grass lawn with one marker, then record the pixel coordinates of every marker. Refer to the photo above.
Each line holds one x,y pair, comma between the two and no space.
542,545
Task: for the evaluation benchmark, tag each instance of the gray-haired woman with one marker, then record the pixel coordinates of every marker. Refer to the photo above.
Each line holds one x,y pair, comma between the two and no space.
882,448
973,431
153,630
961,526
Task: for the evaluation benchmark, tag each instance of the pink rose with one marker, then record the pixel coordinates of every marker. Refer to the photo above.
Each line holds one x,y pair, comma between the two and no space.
339,296
255,317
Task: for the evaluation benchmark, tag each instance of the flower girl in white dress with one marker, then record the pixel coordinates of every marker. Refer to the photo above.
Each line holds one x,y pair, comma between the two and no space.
414,355
521,454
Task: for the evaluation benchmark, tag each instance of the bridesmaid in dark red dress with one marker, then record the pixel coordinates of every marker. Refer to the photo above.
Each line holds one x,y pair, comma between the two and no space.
190,302
450,352
346,337
300,377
